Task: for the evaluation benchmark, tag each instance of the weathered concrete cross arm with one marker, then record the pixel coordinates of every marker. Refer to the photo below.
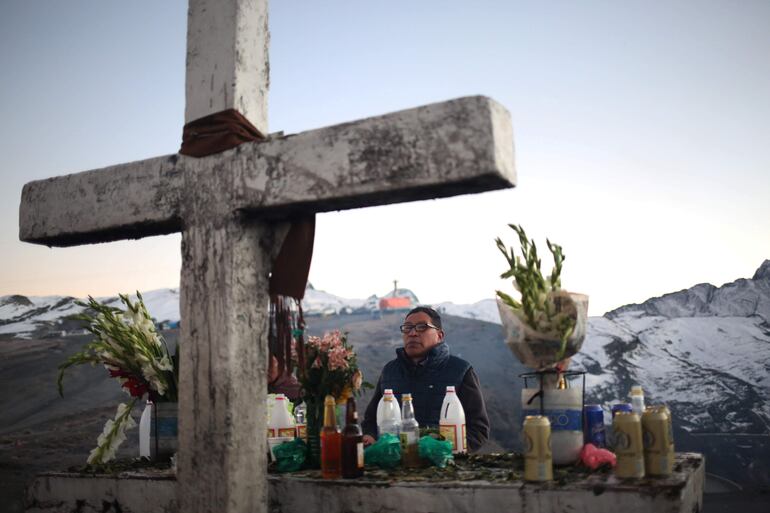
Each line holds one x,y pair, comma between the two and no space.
456,147
126,201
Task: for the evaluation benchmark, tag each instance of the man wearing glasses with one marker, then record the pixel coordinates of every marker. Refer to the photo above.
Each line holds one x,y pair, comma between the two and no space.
424,368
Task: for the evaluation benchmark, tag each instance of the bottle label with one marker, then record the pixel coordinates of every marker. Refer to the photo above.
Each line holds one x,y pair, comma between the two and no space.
360,454
407,438
449,432
270,432
465,440
302,431
290,432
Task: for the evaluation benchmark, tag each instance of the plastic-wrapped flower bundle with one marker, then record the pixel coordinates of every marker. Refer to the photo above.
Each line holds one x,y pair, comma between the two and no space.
548,324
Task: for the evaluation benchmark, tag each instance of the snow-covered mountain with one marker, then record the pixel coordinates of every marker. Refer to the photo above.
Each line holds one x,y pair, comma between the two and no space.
694,349
319,302
28,317
484,310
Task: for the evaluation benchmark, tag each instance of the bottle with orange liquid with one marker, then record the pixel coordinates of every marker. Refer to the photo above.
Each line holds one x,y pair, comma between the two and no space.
331,442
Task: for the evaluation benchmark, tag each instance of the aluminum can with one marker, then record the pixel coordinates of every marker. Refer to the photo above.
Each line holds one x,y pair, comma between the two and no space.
621,407
538,462
593,425
658,441
627,435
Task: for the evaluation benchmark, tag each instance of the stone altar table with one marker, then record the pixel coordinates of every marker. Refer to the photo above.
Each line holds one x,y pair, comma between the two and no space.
452,490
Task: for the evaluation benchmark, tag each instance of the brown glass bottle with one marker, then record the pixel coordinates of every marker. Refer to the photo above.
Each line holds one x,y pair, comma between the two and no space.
330,442
352,444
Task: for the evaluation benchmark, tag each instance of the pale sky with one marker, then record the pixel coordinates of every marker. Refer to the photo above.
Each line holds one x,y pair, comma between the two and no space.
642,135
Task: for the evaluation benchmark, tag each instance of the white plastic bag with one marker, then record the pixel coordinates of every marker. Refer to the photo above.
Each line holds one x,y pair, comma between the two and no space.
541,351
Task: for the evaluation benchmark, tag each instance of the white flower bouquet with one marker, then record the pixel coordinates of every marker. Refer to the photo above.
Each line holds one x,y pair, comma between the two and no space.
130,348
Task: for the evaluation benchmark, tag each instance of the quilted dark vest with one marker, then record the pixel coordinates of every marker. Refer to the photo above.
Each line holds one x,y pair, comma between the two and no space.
426,381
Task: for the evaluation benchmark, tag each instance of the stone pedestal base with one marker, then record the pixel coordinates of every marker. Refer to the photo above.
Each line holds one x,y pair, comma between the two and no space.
155,492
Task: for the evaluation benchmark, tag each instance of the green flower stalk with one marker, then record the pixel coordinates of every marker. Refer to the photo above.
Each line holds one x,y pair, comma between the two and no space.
540,303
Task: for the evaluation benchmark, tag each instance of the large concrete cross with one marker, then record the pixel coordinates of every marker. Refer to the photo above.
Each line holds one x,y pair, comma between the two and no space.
232,209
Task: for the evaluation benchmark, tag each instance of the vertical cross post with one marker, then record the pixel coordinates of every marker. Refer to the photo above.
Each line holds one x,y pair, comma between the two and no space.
225,267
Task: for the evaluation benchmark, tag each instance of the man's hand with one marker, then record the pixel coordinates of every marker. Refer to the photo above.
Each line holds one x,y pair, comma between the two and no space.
368,440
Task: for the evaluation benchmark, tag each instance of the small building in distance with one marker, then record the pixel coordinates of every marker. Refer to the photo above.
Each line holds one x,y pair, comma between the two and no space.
398,300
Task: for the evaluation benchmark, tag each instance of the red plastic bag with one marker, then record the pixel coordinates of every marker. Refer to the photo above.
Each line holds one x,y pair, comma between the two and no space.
593,457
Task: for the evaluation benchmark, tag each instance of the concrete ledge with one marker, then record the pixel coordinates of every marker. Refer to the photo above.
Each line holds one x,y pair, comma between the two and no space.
127,492
155,492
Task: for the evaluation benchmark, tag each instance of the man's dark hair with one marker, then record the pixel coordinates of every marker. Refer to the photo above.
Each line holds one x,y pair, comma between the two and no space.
435,318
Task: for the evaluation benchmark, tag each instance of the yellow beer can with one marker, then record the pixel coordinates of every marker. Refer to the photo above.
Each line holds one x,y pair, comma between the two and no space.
627,435
538,462
658,441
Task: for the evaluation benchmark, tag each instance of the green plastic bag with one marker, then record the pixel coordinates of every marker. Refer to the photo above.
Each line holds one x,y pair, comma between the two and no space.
438,452
385,452
289,456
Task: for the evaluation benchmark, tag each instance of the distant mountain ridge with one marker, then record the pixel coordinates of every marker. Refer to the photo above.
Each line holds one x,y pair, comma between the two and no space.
30,317
41,316
741,298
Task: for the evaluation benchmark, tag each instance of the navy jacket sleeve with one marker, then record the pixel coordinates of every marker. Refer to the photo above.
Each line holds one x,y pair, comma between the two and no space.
369,425
476,419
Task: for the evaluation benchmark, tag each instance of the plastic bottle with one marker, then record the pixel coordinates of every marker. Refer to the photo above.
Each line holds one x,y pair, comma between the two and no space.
637,400
381,404
410,433
352,443
300,421
331,442
391,416
281,422
452,421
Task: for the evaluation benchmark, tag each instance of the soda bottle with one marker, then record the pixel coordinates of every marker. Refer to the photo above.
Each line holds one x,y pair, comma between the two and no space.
352,443
331,442
410,433
391,416
452,421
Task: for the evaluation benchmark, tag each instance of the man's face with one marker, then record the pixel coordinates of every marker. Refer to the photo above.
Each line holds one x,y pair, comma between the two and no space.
417,344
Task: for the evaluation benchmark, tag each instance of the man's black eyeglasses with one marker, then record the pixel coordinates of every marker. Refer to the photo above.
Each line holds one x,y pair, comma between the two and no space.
419,327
